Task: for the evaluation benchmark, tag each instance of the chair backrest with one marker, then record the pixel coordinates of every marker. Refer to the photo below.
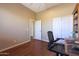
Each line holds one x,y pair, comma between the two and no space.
50,36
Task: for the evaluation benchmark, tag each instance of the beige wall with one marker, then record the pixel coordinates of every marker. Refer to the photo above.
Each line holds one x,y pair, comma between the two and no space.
15,24
47,16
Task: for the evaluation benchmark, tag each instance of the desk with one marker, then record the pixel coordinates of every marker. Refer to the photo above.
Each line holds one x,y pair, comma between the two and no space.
65,50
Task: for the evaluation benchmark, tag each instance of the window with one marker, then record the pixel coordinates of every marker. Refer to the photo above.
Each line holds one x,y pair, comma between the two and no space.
62,27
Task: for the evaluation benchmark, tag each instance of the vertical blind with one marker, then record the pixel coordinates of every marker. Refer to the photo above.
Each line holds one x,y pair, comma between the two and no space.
62,27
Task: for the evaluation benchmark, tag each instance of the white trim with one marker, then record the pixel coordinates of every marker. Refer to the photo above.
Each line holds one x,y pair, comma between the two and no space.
45,40
15,45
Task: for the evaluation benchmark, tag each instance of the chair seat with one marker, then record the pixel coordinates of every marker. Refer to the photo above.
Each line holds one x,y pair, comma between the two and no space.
61,41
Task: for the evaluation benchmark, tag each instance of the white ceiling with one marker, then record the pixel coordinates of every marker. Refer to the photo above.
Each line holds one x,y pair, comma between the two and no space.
37,7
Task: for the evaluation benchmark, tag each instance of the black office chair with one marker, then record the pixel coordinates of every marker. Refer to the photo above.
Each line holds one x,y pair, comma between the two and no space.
52,42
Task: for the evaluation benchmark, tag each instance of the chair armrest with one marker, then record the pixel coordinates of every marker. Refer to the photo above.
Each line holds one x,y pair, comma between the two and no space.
58,39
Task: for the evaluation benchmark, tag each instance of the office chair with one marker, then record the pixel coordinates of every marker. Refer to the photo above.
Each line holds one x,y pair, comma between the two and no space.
52,42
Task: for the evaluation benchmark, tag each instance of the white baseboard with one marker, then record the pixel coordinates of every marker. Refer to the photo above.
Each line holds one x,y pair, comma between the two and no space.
45,40
15,45
42,40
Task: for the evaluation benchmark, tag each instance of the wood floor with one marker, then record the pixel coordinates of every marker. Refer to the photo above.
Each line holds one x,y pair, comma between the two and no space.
33,48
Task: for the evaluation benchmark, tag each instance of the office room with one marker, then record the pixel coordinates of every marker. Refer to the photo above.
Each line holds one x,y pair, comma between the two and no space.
39,29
